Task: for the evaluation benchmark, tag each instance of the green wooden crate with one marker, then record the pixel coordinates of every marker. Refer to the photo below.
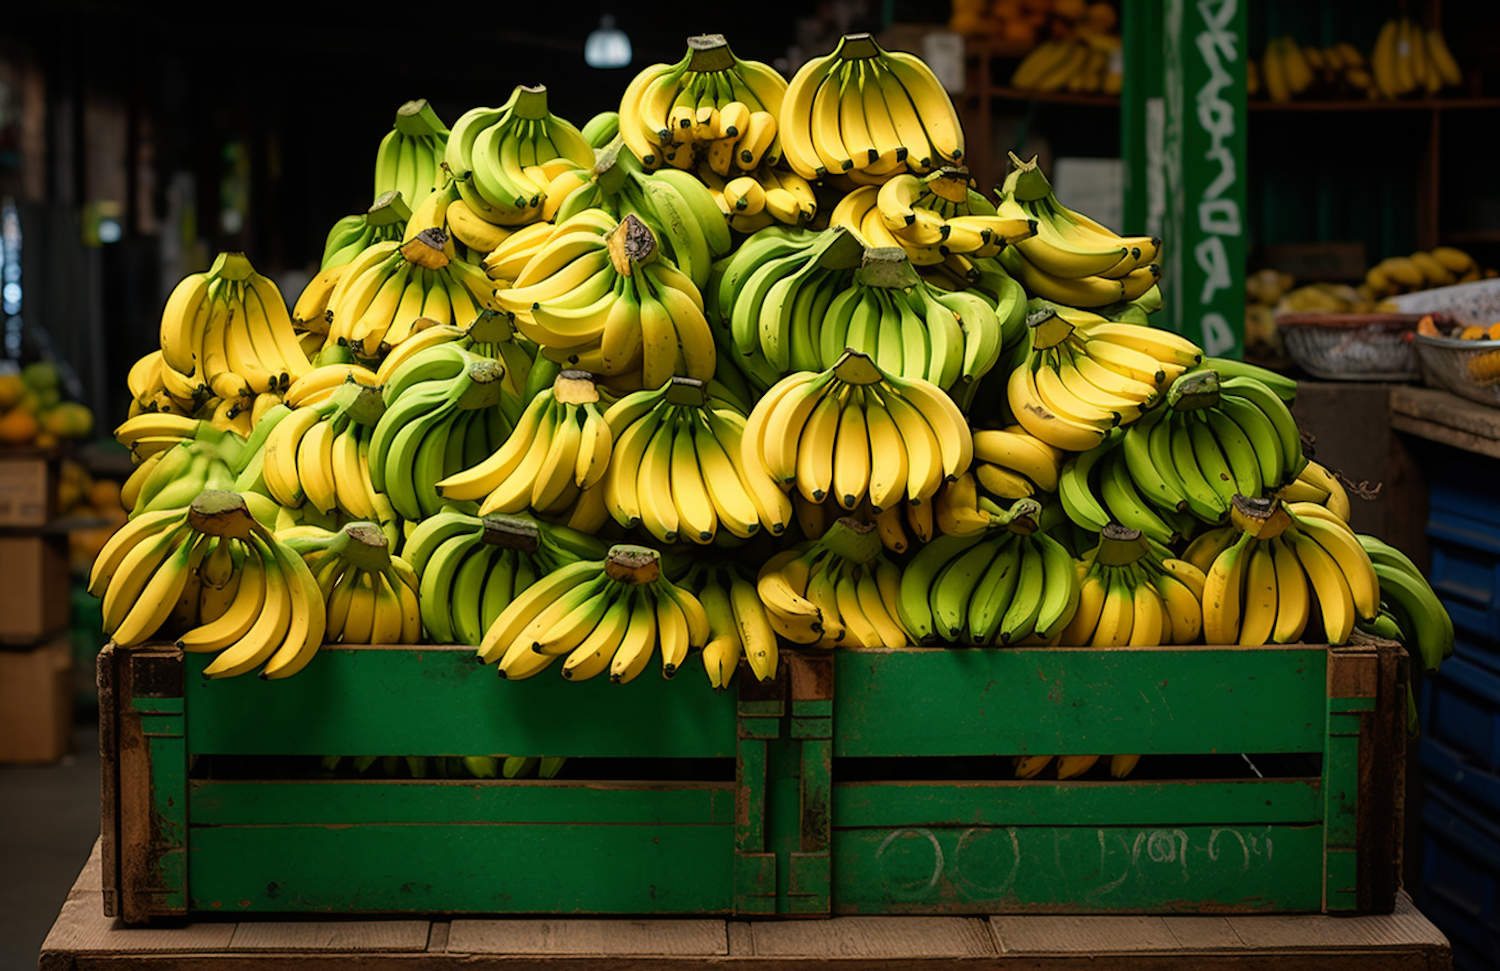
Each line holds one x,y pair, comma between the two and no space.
784,831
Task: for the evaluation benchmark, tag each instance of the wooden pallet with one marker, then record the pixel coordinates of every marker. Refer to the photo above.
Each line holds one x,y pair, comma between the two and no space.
83,939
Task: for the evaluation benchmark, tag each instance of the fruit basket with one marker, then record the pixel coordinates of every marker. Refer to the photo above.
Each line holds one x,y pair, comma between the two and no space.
1467,367
1352,347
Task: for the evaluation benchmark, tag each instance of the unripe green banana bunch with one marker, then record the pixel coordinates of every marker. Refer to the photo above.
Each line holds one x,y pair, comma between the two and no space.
472,568
1257,589
410,157
370,596
505,158
710,105
867,113
1071,258
227,332
1410,611
385,220
837,590
223,581
444,413
675,468
1087,374
609,302
490,336
854,430
737,624
1007,582
612,614
172,473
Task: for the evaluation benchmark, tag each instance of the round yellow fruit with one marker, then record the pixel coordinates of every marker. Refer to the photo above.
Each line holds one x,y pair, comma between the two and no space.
12,388
68,420
18,427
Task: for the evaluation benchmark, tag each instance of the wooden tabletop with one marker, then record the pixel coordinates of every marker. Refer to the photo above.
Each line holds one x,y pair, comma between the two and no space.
1444,417
84,939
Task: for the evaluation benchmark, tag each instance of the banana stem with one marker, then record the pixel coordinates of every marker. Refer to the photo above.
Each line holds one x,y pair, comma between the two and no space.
388,210
511,532
221,513
635,565
708,53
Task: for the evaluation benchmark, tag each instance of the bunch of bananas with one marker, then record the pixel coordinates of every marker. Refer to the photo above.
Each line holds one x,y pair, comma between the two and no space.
1071,258
442,415
1012,463
502,157
710,106
1315,483
1134,594
227,332
1408,60
1405,60
1408,600
472,568
324,381
931,217
1441,267
1089,64
370,595
272,616
1009,583
678,469
385,220
410,157
320,454
737,624
491,336
839,589
613,614
1257,589
559,448
1086,374
760,197
854,431
867,113
610,300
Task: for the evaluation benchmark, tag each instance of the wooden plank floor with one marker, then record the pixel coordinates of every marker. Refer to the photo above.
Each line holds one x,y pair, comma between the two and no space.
85,940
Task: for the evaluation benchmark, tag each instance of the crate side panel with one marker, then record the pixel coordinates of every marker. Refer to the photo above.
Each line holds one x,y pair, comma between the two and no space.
438,701
1080,701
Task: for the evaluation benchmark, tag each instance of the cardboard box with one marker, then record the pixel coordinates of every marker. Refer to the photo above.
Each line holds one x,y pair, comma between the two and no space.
36,703
34,587
28,488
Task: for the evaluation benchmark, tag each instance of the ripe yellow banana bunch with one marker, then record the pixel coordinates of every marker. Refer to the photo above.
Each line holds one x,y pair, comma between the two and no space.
1257,589
1135,593
320,454
1316,484
323,382
1087,374
867,113
1441,267
710,107
384,221
612,614
761,197
611,303
932,217
559,448
410,157
1012,463
676,468
472,568
737,624
838,590
854,431
1071,258
1408,60
505,158
1088,64
370,595
232,586
228,330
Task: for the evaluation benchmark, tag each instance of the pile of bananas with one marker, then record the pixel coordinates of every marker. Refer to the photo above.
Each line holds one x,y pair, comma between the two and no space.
577,399
1443,266
1089,64
1406,60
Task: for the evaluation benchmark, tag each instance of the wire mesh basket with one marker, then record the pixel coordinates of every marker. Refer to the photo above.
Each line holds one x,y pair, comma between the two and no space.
1352,347
1468,368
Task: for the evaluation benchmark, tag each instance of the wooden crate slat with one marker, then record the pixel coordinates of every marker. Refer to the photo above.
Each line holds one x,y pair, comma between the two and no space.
621,936
81,928
1072,935
1079,869
1204,933
434,868
1404,926
344,935
1079,701
438,701
512,802
873,937
1019,802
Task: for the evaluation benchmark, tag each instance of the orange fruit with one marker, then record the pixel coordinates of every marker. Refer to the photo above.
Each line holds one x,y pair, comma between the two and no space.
1494,331
18,427
1473,332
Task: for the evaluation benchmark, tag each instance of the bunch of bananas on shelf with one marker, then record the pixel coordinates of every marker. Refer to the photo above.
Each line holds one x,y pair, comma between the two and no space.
837,590
471,568
1406,60
613,614
869,114
182,563
370,595
613,303
1442,266
855,432
226,332
678,470
738,626
502,158
709,106
1089,64
410,157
